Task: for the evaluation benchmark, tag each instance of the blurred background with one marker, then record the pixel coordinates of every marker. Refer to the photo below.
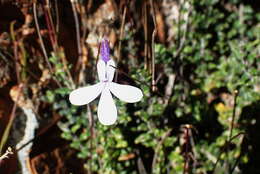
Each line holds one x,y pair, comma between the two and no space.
196,61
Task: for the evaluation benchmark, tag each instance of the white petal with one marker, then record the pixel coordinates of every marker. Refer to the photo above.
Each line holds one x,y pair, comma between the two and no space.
101,69
107,113
110,69
85,95
126,93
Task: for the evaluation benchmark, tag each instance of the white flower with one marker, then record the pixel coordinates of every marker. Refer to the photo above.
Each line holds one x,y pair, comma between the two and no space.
107,112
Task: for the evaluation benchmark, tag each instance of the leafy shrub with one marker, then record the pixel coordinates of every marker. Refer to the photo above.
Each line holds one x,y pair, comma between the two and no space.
215,61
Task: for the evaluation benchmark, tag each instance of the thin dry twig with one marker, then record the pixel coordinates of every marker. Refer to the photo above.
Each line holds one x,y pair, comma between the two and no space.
16,58
121,33
12,116
158,148
73,4
7,154
57,16
232,125
42,43
50,25
146,66
233,114
224,149
182,39
121,38
231,131
232,169
153,46
186,155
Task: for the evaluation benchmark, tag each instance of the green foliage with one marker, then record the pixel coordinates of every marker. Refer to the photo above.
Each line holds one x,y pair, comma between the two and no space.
216,55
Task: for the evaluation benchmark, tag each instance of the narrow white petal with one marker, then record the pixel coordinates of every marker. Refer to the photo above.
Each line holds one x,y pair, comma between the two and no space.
101,69
110,69
85,95
126,93
107,113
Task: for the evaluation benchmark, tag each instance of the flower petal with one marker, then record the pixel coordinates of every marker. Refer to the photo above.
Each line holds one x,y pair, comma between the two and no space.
101,69
126,93
110,70
85,95
107,113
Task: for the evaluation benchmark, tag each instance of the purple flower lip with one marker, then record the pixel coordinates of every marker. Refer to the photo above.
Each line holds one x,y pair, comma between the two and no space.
105,51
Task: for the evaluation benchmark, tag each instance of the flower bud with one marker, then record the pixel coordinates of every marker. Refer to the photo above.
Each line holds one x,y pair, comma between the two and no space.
105,51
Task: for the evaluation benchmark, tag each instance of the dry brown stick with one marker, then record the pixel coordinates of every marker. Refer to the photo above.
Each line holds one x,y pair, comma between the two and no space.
89,5
17,67
233,115
153,46
50,25
8,152
42,44
73,4
54,35
77,30
186,156
18,76
121,34
232,126
53,38
120,39
84,17
15,44
10,122
145,37
57,16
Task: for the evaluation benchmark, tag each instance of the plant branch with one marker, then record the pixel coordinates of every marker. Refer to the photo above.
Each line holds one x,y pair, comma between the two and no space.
158,148
121,33
232,126
225,148
10,122
50,25
146,66
57,16
153,46
73,4
6,155
233,115
185,28
42,44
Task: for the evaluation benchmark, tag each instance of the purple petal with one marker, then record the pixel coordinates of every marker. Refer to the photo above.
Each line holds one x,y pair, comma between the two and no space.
105,52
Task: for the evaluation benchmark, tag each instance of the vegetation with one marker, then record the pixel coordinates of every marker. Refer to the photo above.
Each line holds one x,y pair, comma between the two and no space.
198,67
